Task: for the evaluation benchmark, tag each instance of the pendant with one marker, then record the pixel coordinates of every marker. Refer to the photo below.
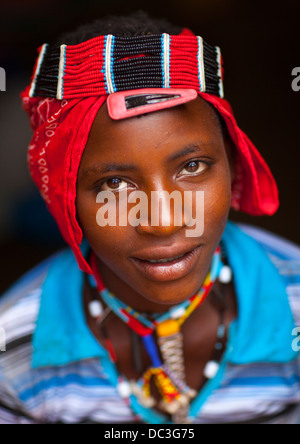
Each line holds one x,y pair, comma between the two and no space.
170,341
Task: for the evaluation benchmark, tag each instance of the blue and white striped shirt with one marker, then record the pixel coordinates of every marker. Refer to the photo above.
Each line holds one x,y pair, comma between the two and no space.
55,371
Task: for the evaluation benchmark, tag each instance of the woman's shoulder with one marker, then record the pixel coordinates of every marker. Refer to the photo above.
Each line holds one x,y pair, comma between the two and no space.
19,305
285,256
273,243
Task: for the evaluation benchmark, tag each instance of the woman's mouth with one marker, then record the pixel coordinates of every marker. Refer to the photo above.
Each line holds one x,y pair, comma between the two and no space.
167,268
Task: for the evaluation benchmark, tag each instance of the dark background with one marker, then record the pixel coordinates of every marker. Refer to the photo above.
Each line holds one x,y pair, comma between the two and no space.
260,47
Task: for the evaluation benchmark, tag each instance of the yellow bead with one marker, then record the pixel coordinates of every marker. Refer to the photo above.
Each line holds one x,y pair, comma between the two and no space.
207,280
167,328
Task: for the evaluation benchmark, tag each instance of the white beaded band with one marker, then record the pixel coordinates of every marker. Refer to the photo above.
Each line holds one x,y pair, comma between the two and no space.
108,64
166,60
201,71
61,70
38,67
221,87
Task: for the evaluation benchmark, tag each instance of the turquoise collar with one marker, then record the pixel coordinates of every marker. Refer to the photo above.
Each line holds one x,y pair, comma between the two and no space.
261,333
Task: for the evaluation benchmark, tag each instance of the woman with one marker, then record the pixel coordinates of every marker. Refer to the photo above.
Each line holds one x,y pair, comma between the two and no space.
155,322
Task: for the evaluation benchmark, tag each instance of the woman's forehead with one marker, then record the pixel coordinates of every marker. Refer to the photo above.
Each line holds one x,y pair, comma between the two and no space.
194,120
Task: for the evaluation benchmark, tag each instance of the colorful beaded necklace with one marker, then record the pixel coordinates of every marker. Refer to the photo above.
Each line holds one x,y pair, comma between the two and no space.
169,377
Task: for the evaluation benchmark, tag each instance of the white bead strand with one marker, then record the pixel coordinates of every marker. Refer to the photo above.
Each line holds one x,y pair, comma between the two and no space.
225,275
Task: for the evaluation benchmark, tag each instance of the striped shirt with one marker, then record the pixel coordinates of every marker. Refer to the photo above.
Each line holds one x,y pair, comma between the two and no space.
54,371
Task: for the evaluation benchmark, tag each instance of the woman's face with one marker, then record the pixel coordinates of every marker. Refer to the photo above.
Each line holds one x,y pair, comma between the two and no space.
151,266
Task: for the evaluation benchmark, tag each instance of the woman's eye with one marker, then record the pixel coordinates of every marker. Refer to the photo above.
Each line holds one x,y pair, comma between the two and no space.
114,184
193,167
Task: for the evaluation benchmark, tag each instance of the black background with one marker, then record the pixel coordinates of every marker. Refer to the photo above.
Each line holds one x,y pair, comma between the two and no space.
260,47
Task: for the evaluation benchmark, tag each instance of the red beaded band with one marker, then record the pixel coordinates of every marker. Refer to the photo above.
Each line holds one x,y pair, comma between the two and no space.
108,64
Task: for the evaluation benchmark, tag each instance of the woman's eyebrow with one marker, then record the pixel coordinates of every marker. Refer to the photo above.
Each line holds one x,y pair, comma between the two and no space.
188,149
107,167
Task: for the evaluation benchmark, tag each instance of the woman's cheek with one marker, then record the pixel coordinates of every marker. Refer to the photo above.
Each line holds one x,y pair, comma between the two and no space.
216,206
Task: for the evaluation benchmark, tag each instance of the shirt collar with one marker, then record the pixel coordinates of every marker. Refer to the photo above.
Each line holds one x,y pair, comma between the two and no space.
261,333
62,334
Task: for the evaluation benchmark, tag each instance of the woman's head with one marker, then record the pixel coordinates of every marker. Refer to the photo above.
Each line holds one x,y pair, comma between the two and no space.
62,132
180,150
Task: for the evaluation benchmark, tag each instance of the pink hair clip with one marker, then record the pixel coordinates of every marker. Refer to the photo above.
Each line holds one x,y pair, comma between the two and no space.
124,104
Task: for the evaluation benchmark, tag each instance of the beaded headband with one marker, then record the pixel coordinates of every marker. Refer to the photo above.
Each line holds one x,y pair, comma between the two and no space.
109,64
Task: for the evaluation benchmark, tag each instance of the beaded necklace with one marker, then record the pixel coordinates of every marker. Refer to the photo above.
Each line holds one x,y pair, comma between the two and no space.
169,375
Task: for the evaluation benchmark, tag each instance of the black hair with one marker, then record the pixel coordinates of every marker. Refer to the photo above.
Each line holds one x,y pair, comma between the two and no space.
135,24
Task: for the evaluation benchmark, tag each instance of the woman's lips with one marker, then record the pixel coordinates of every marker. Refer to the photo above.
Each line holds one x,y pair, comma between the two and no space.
167,269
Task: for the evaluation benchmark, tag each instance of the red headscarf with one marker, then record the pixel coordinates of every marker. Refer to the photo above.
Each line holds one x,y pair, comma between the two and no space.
61,129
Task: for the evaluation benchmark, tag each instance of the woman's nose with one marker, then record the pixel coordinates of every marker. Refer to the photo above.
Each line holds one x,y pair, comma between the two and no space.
165,213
